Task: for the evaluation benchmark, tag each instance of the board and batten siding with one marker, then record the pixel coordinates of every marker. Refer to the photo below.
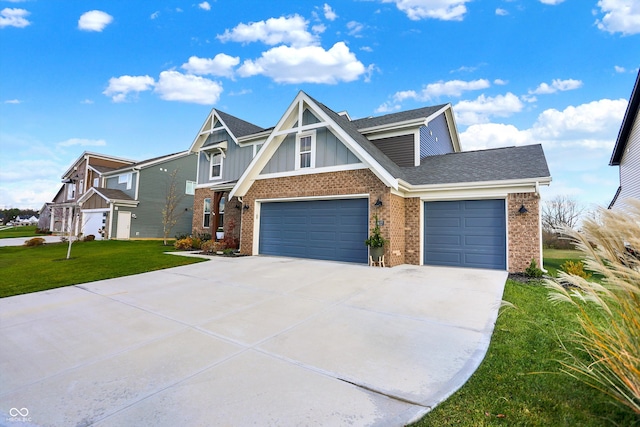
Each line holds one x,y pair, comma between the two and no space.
330,151
400,149
435,138
630,166
112,183
235,162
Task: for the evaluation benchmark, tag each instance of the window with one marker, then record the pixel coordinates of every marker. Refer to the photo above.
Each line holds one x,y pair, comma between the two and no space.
96,182
206,220
221,212
125,179
216,166
191,188
305,146
81,187
71,191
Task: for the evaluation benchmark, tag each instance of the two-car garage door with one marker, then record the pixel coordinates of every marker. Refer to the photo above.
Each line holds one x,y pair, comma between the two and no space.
318,229
465,233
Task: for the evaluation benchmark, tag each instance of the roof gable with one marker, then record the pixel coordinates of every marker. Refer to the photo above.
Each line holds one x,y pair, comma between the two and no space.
218,120
627,124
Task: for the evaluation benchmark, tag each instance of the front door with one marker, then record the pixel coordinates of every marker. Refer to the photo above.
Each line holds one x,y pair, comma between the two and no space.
123,230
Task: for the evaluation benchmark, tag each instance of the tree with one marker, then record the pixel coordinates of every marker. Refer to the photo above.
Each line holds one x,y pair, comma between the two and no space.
171,211
561,212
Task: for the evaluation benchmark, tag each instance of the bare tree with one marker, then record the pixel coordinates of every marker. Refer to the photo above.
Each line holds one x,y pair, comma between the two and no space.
171,211
560,212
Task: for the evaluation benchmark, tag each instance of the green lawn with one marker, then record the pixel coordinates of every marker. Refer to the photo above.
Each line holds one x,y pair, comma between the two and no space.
23,231
32,269
518,383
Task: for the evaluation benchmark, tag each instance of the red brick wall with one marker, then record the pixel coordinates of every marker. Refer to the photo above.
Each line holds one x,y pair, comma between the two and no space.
232,210
412,230
396,227
523,231
361,181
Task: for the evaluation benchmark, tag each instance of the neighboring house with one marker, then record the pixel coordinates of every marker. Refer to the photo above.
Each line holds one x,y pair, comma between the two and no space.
130,200
85,173
316,181
626,153
225,145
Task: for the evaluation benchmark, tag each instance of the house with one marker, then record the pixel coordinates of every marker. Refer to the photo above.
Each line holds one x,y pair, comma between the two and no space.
129,201
84,174
626,152
317,182
224,146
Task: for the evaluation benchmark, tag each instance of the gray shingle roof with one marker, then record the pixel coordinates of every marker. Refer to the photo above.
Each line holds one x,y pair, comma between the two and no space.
238,126
113,194
524,162
399,117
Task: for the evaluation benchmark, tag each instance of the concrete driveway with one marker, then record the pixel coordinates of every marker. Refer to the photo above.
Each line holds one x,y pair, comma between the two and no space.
246,341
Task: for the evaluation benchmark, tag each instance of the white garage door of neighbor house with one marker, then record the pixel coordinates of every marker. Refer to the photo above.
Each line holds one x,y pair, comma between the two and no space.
92,223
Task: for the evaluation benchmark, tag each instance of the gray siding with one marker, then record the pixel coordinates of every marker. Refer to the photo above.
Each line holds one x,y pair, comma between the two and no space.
630,167
330,151
112,183
154,182
233,165
308,118
400,149
435,139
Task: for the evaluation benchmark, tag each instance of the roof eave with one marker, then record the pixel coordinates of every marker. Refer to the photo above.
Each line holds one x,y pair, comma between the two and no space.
408,187
627,124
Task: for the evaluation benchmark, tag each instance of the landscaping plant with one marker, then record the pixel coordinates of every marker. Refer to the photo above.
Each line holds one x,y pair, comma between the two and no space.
606,354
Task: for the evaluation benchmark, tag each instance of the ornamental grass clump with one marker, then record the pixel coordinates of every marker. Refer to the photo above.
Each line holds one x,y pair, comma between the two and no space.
605,352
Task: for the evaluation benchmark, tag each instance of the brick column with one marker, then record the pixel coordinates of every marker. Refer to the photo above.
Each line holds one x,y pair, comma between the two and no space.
524,231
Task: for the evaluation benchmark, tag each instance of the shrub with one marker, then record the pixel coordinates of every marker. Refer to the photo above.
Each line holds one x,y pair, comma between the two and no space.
533,271
181,236
575,269
36,241
606,354
196,243
184,244
89,238
228,251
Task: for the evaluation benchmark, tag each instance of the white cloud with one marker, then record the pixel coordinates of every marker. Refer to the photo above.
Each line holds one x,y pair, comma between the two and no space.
387,108
354,28
483,107
220,65
86,101
154,15
94,20
492,135
555,86
620,69
120,87
13,17
620,16
13,101
284,30
501,12
329,13
500,82
175,86
310,64
591,125
82,142
551,2
204,5
446,10
442,88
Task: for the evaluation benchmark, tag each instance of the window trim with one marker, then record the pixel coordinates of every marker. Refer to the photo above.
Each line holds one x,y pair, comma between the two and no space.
205,213
312,150
128,179
211,164
71,191
190,185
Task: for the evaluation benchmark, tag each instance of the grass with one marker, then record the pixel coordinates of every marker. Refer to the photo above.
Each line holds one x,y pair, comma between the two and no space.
22,231
31,269
519,382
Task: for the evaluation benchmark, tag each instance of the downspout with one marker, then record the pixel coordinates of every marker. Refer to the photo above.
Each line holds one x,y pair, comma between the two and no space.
540,225
110,220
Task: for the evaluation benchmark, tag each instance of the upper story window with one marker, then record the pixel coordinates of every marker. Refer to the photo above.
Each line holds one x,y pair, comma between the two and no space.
71,191
305,150
191,188
215,166
96,182
125,179
81,187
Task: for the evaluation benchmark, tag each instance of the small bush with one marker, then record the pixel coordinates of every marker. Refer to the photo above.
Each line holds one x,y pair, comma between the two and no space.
211,246
184,244
575,269
533,271
181,236
36,241
228,251
89,238
203,236
196,243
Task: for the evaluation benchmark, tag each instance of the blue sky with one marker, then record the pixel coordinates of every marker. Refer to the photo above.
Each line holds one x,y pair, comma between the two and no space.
137,79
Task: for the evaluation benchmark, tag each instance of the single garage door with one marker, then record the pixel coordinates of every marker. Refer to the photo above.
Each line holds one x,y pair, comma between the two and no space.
466,233
318,229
